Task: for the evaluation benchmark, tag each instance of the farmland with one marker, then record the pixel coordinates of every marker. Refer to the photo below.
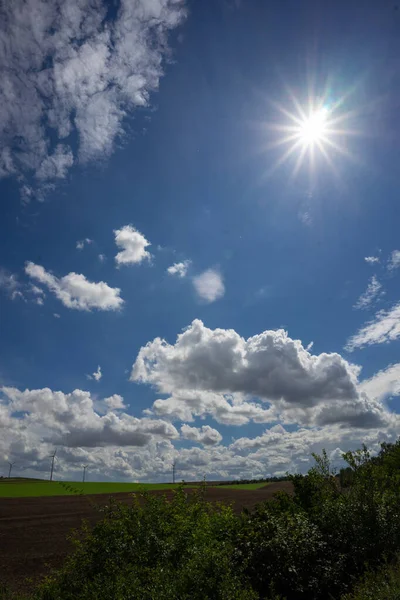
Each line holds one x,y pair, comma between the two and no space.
36,517
28,489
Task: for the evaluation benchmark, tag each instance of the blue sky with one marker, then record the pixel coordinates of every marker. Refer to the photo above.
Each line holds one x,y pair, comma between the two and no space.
141,137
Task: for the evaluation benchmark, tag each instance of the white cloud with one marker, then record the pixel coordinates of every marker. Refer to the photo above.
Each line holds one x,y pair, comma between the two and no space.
371,294
133,244
371,259
179,269
217,372
75,291
115,402
205,435
80,244
57,165
384,327
10,285
71,419
209,285
102,257
56,315
383,384
227,409
394,260
97,375
72,70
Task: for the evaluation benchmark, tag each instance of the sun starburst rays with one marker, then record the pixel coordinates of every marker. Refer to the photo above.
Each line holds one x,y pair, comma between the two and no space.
316,131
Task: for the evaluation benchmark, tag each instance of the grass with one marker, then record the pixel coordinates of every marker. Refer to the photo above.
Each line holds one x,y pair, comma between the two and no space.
25,488
54,488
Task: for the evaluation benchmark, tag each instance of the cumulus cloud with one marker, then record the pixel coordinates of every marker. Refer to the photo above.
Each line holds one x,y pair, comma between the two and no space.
205,435
227,409
179,269
74,72
71,419
133,244
371,294
75,291
218,372
80,244
209,285
371,259
97,375
394,260
384,327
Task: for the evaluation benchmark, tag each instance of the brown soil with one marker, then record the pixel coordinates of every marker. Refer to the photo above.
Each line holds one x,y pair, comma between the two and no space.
33,530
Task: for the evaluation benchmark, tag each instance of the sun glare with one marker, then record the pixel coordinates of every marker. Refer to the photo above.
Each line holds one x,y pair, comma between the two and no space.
313,128
309,132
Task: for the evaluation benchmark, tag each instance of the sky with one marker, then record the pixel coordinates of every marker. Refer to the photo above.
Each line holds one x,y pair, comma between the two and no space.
199,236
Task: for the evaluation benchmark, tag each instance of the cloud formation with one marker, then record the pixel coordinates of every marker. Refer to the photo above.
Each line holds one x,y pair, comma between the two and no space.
371,294
179,269
75,291
133,244
384,384
394,260
97,375
209,285
73,71
80,244
205,435
220,373
71,419
371,259
384,327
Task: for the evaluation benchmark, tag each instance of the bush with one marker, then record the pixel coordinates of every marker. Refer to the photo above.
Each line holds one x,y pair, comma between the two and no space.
154,549
314,545
382,585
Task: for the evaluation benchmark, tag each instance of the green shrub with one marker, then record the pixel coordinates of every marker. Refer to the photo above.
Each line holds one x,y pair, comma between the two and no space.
314,545
154,549
381,585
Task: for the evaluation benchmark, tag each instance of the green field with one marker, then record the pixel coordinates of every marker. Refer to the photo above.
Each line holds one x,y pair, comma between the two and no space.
54,488
25,488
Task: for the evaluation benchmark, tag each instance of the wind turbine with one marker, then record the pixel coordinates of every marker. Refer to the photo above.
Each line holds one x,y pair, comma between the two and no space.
84,472
10,469
173,471
52,456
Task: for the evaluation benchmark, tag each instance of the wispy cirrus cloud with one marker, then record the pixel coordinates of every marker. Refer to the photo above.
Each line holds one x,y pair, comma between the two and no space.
394,260
73,71
372,294
384,327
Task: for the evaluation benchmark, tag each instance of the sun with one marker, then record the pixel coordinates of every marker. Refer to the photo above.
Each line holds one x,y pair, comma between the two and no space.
308,133
313,128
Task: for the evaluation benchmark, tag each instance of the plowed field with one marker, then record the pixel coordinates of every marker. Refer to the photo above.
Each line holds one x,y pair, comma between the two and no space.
33,530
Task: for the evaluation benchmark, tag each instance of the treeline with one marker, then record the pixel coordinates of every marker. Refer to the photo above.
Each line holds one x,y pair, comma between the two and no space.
324,541
259,480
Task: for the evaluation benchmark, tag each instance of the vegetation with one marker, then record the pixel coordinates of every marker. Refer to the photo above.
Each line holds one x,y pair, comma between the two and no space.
324,542
59,488
254,482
